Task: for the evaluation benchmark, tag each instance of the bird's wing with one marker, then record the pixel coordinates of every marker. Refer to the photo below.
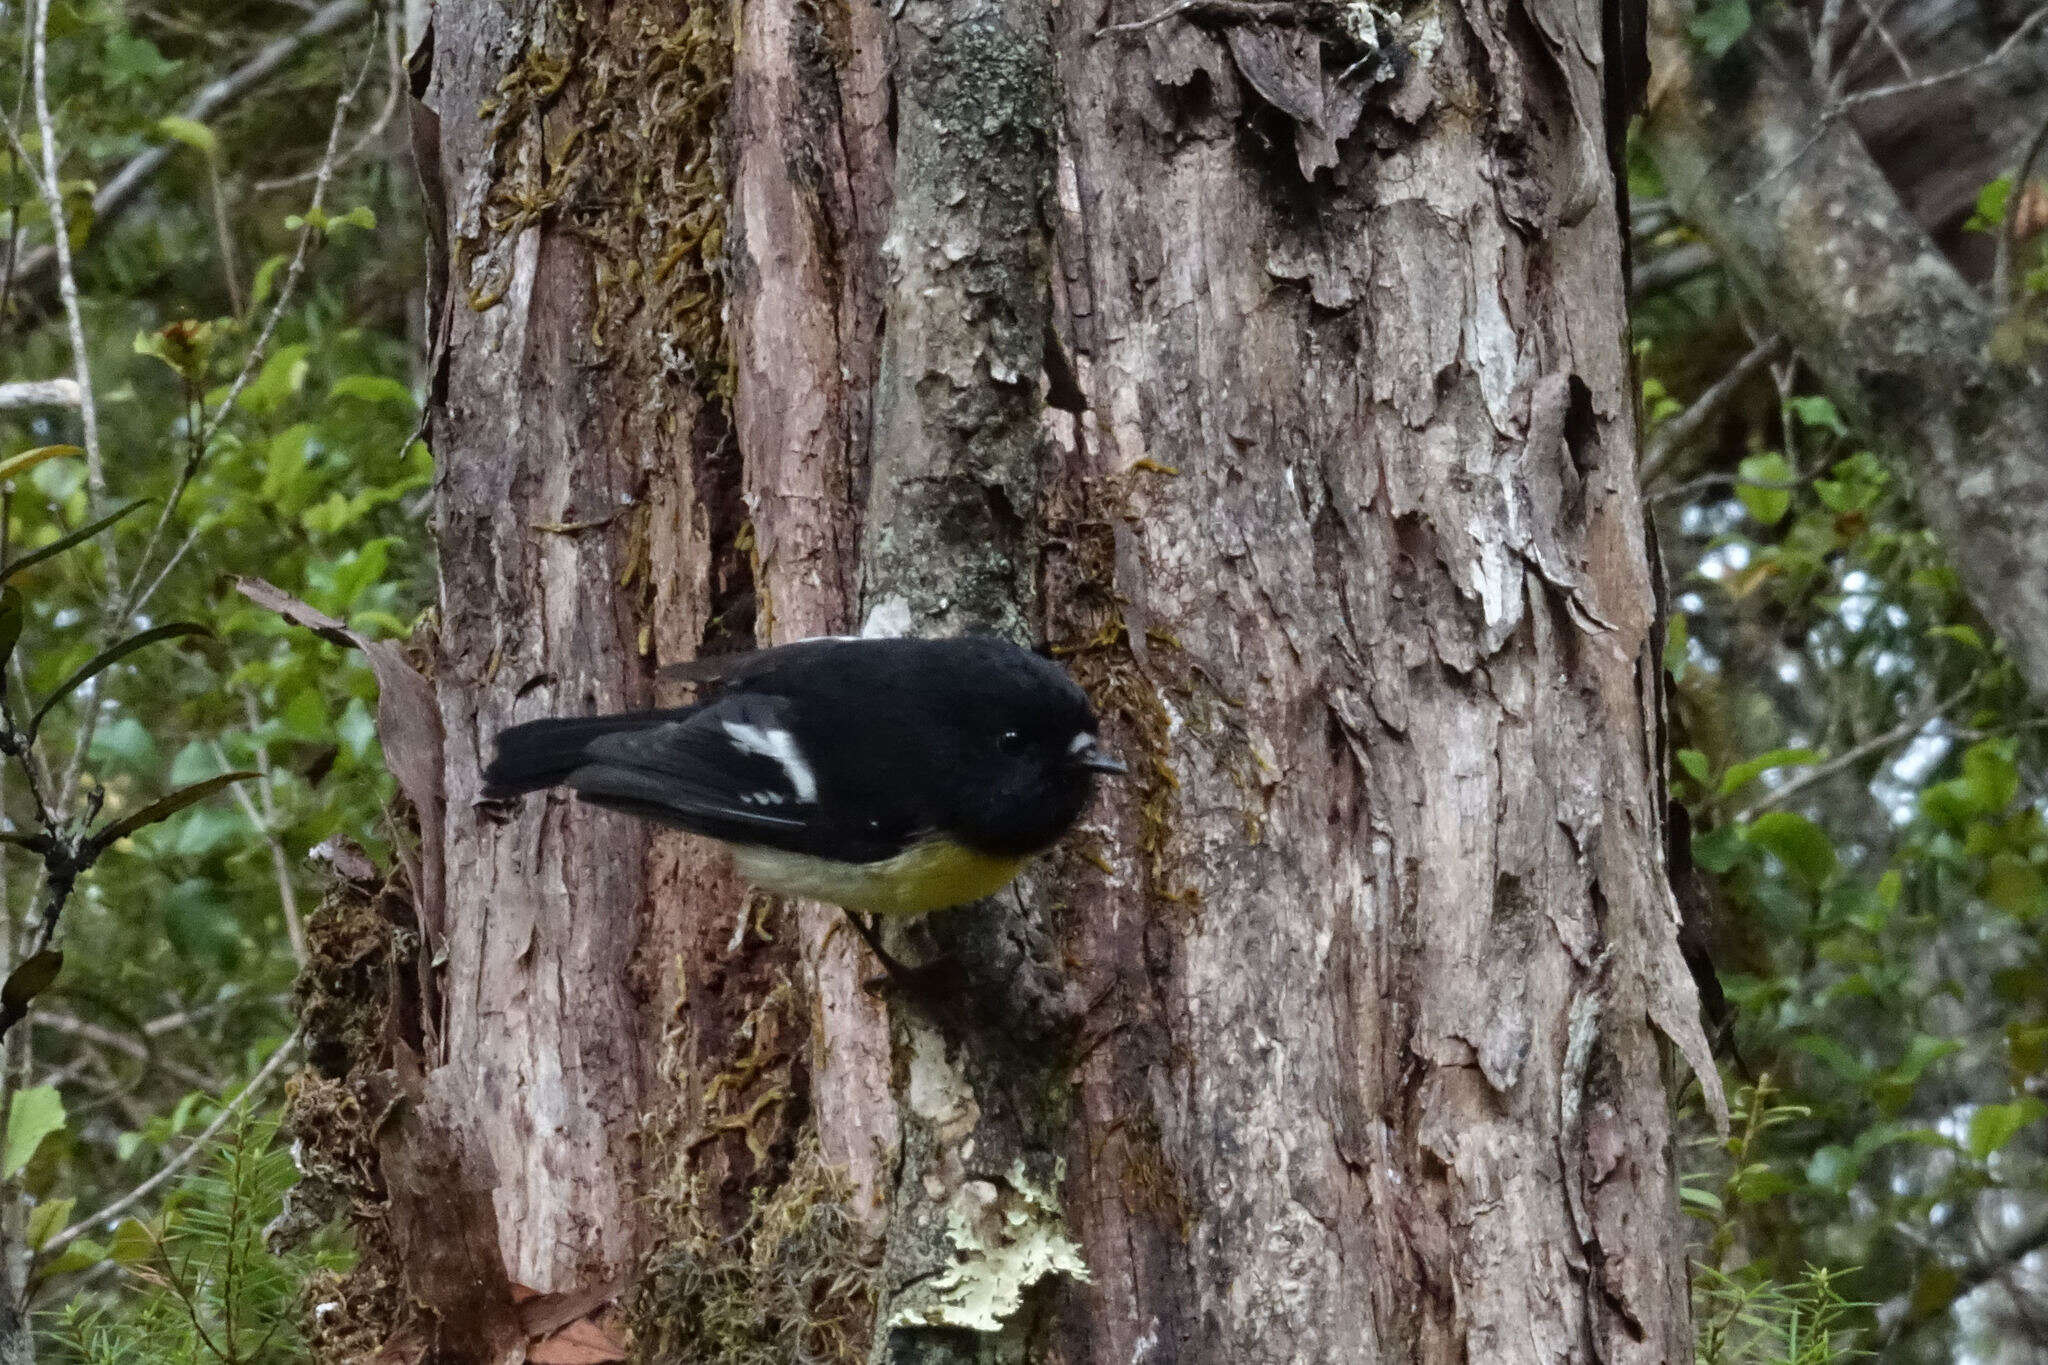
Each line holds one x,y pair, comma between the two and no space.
733,770
752,667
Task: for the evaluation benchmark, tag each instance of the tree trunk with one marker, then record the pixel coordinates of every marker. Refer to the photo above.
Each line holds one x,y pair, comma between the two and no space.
1333,1035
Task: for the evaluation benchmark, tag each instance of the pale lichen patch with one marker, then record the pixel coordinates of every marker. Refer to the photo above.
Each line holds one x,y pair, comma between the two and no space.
1005,1238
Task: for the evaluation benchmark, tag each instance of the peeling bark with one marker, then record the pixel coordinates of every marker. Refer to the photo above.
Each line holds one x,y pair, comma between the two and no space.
1808,227
1334,1035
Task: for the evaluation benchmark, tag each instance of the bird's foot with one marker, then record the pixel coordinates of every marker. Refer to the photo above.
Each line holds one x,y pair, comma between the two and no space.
937,978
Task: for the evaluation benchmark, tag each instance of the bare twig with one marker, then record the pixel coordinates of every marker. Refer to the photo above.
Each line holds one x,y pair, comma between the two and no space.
1969,1279
1824,40
265,821
128,183
293,272
1676,435
179,1162
185,1018
1904,730
1873,23
60,242
1992,58
121,1042
40,393
230,272
1675,266
369,135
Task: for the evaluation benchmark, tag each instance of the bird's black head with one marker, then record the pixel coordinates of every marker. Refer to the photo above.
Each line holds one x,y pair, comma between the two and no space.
1032,753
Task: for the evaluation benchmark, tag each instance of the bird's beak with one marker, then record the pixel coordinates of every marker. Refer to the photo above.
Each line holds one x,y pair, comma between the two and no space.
1097,759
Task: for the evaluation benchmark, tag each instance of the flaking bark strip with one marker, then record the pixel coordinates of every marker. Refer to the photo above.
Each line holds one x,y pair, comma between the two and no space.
953,534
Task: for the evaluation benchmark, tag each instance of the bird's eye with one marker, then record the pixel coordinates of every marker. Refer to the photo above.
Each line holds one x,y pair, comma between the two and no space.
1010,742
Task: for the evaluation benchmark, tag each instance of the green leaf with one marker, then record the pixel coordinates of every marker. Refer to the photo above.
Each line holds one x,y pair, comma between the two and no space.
1705,1199
83,1254
65,542
373,388
35,1114
127,744
191,132
166,807
1677,638
1717,850
194,763
282,376
1802,846
200,926
1833,1168
30,980
1816,411
1990,775
1720,27
16,465
50,1217
1695,764
1924,1051
185,345
131,1243
134,60
2015,886
1765,487
1991,202
1963,635
110,656
266,279
1838,1058
1746,772
1994,1125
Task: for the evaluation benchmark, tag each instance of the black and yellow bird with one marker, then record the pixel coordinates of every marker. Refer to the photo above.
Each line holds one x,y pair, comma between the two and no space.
891,777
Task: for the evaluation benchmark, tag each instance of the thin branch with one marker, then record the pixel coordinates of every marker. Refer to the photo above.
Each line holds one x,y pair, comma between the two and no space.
121,1042
60,242
182,1159
128,183
1899,733
40,393
1992,58
265,823
369,135
1823,47
1969,1280
1873,23
184,1018
297,267
1674,267
1672,439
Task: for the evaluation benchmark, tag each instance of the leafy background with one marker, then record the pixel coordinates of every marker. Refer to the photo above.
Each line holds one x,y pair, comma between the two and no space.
1864,772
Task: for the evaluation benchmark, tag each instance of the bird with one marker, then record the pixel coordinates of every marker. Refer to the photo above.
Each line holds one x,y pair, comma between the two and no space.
890,777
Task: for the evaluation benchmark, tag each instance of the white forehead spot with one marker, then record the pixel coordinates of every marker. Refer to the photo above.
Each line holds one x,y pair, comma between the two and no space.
780,746
1080,742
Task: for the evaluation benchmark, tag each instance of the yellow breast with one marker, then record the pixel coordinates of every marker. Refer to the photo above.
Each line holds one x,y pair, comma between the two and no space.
928,876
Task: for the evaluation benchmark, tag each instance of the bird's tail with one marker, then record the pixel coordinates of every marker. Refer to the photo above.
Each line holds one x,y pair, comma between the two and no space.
541,753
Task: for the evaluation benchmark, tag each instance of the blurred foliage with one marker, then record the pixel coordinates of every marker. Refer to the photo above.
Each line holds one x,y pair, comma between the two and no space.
292,458
1865,775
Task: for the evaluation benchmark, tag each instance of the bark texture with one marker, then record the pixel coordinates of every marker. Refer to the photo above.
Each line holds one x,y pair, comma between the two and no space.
1334,1035
1809,227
